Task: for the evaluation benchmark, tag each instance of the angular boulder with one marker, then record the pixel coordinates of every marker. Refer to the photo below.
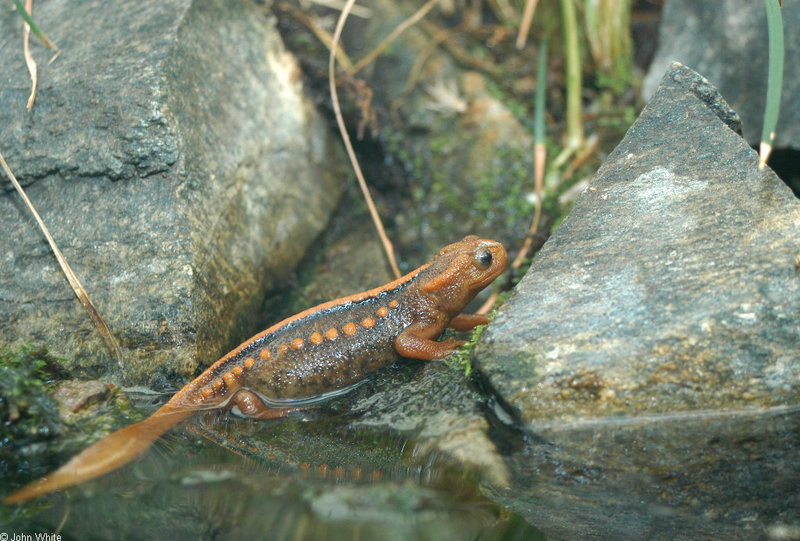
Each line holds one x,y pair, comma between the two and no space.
728,43
178,166
653,348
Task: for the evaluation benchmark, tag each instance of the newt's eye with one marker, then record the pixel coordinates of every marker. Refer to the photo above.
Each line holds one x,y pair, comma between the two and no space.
483,258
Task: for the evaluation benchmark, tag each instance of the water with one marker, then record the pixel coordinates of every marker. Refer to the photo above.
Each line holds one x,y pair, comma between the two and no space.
304,477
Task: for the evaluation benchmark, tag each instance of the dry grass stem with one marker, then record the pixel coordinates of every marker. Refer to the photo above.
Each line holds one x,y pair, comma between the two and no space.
80,292
356,11
387,244
764,151
525,25
540,158
486,306
322,35
29,61
399,29
589,149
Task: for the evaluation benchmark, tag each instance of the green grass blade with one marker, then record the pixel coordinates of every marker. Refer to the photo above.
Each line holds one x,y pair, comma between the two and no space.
774,78
541,92
34,28
572,56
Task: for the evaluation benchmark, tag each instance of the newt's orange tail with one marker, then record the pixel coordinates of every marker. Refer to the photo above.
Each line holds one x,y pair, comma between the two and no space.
113,451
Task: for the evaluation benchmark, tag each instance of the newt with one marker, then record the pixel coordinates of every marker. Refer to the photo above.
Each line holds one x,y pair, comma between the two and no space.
313,354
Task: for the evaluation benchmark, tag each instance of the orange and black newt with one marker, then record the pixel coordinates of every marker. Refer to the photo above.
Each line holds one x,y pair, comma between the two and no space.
312,354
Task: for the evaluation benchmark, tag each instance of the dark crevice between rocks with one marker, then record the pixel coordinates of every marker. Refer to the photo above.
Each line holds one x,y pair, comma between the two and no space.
785,161
505,425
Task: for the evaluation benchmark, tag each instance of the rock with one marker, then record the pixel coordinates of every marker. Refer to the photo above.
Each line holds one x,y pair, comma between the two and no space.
652,348
74,396
179,168
443,416
454,156
728,43
468,158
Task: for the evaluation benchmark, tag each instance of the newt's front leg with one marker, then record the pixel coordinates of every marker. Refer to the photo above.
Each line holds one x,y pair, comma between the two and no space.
415,343
467,322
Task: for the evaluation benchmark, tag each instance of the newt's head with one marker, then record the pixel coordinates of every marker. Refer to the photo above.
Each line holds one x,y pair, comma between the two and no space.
464,268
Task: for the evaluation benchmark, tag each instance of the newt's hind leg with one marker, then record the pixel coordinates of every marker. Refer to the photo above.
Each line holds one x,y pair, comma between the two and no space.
251,405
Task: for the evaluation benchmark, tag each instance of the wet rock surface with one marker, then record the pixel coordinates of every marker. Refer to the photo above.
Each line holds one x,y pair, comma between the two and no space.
441,414
651,352
728,44
178,166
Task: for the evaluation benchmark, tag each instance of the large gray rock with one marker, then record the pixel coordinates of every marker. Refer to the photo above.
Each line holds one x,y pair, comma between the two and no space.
178,166
654,345
728,43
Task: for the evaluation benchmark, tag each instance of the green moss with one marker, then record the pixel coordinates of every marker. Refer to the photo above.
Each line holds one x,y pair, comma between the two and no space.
28,415
33,437
462,359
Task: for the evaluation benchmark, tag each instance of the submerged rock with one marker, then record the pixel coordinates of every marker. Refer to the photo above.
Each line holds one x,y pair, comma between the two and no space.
74,396
652,348
443,417
178,166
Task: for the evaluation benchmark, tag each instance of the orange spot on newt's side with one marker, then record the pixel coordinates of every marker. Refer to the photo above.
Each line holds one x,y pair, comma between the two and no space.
323,470
393,304
283,348
331,334
382,311
315,338
304,465
349,329
249,362
265,354
368,323
338,472
238,371
297,343
357,474
207,392
218,385
229,378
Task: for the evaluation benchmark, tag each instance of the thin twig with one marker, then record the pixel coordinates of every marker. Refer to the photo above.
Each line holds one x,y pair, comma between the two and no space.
80,292
399,29
387,244
26,50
